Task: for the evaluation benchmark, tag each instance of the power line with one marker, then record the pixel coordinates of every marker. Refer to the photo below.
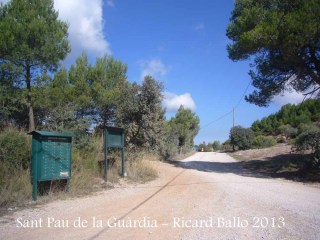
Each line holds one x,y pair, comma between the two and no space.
243,95
219,118
228,113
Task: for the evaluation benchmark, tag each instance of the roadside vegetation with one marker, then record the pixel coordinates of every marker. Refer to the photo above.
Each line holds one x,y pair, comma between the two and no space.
298,126
283,48
38,93
278,162
296,129
295,126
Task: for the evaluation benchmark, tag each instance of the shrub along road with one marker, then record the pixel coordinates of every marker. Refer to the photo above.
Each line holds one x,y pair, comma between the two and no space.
206,196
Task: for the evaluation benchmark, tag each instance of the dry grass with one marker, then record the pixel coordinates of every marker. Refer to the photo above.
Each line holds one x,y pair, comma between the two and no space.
141,168
87,176
15,186
84,171
15,182
260,154
278,162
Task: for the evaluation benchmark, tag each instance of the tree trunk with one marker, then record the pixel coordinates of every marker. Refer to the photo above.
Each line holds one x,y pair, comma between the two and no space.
29,98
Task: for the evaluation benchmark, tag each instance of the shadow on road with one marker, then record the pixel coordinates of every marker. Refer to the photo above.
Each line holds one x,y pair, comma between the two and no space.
287,166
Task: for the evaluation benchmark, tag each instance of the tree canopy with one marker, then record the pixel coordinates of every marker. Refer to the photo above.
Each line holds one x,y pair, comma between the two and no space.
32,41
241,137
84,95
289,118
185,126
83,98
140,112
283,39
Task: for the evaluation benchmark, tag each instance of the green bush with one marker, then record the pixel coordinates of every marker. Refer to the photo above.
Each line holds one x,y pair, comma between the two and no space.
288,131
168,150
226,146
311,127
241,137
216,145
263,142
310,141
15,155
203,147
15,148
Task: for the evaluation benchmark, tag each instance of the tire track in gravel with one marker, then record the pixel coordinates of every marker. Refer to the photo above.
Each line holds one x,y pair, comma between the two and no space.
139,205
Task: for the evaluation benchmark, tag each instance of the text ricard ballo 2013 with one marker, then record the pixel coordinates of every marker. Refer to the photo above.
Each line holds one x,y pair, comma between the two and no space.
147,222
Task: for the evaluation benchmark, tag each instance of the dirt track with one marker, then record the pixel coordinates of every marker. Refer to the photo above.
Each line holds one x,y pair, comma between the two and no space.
206,196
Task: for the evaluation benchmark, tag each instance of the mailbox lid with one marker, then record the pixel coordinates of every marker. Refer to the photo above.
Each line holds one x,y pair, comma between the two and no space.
51,134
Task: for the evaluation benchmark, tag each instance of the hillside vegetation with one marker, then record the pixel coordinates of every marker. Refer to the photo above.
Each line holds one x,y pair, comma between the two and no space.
295,125
291,120
298,125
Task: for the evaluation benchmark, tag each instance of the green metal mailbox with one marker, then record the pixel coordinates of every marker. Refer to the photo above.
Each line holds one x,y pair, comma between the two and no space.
51,157
113,138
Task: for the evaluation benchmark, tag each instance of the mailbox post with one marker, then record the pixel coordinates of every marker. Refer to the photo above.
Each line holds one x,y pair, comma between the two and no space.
114,138
51,157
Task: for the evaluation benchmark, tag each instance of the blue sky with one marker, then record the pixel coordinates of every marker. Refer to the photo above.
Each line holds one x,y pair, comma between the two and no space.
186,41
179,42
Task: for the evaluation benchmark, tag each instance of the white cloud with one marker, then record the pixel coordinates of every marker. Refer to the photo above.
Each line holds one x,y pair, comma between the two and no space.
292,97
199,27
86,24
172,101
110,3
154,68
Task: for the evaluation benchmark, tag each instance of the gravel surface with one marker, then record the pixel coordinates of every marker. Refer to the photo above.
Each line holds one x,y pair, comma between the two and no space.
205,196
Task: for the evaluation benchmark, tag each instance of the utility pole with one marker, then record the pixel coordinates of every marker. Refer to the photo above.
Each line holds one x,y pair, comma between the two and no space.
233,118
233,126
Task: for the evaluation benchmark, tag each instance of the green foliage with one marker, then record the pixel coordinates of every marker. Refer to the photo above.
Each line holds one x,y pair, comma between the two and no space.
226,146
87,94
310,141
288,131
13,108
241,137
186,126
33,40
263,142
203,147
33,35
15,149
171,144
283,38
97,87
288,119
216,145
179,133
140,112
57,108
12,99
311,127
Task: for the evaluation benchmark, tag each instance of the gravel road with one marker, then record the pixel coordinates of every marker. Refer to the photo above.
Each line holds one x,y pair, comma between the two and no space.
206,196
